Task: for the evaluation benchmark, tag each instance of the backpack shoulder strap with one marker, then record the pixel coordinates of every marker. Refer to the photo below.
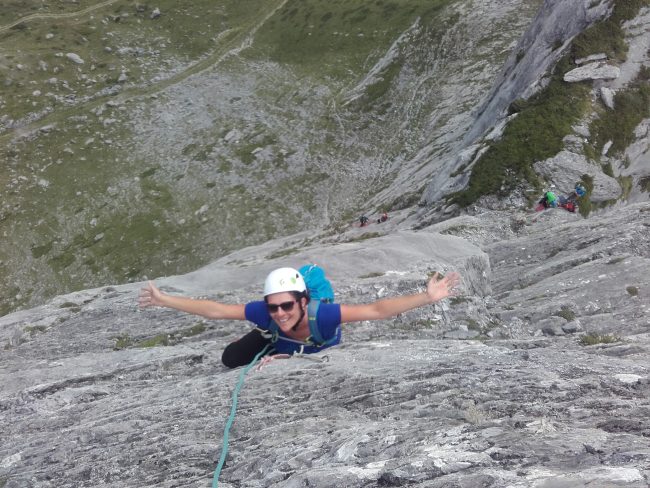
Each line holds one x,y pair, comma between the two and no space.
314,332
315,337
312,313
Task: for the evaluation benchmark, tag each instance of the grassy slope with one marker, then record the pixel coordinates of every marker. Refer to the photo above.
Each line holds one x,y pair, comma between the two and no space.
83,163
82,207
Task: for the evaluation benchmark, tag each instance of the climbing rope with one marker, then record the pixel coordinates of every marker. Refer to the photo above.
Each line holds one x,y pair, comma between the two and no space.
233,410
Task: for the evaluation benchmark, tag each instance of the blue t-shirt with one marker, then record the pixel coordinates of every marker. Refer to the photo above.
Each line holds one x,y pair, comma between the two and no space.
328,320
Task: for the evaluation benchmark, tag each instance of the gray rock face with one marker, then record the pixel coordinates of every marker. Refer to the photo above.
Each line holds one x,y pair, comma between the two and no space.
522,75
493,388
566,168
557,20
594,71
587,269
638,41
592,58
85,403
607,95
638,156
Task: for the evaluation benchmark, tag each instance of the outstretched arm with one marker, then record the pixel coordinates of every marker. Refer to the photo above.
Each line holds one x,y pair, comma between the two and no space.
151,296
437,289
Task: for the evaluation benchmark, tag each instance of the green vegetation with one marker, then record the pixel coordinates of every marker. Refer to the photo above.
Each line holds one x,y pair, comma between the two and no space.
280,253
631,107
156,341
365,236
584,202
110,204
627,9
566,313
644,184
375,274
543,120
457,300
379,88
473,325
458,229
592,339
633,291
535,134
334,38
118,37
606,36
608,169
405,201
124,341
627,184
35,329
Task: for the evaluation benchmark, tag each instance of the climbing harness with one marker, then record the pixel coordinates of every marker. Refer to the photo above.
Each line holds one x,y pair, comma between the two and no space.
233,410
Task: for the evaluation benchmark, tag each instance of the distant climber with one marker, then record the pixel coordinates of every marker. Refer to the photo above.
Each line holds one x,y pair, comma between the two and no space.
286,299
567,204
549,200
570,202
578,191
363,221
383,218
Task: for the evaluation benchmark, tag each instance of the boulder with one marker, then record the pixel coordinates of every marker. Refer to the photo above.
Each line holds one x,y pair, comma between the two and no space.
594,71
607,96
75,58
566,168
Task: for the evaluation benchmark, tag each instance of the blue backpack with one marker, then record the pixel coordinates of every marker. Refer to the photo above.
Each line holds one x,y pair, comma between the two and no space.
320,288
320,291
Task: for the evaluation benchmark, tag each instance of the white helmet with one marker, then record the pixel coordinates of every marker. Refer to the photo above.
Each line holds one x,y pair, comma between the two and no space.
284,279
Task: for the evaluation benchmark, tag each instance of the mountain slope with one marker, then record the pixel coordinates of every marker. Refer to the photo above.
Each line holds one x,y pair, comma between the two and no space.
537,375
212,127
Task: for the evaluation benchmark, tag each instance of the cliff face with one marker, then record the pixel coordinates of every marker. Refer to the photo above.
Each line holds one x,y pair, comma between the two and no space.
604,63
524,73
496,388
545,40
536,376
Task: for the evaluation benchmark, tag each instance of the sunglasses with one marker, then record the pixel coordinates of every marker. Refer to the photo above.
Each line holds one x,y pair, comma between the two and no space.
285,306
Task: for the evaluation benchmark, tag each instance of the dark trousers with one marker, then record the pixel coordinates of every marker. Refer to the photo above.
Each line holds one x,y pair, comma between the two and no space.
243,351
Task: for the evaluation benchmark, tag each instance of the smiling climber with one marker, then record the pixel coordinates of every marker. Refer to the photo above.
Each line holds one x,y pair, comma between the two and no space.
289,320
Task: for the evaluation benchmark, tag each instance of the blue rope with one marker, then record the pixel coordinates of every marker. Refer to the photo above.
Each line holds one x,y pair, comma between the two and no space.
233,410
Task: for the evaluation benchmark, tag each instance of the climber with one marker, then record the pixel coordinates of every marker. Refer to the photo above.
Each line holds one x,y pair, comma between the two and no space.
567,204
285,303
383,218
363,221
570,202
549,200
578,191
